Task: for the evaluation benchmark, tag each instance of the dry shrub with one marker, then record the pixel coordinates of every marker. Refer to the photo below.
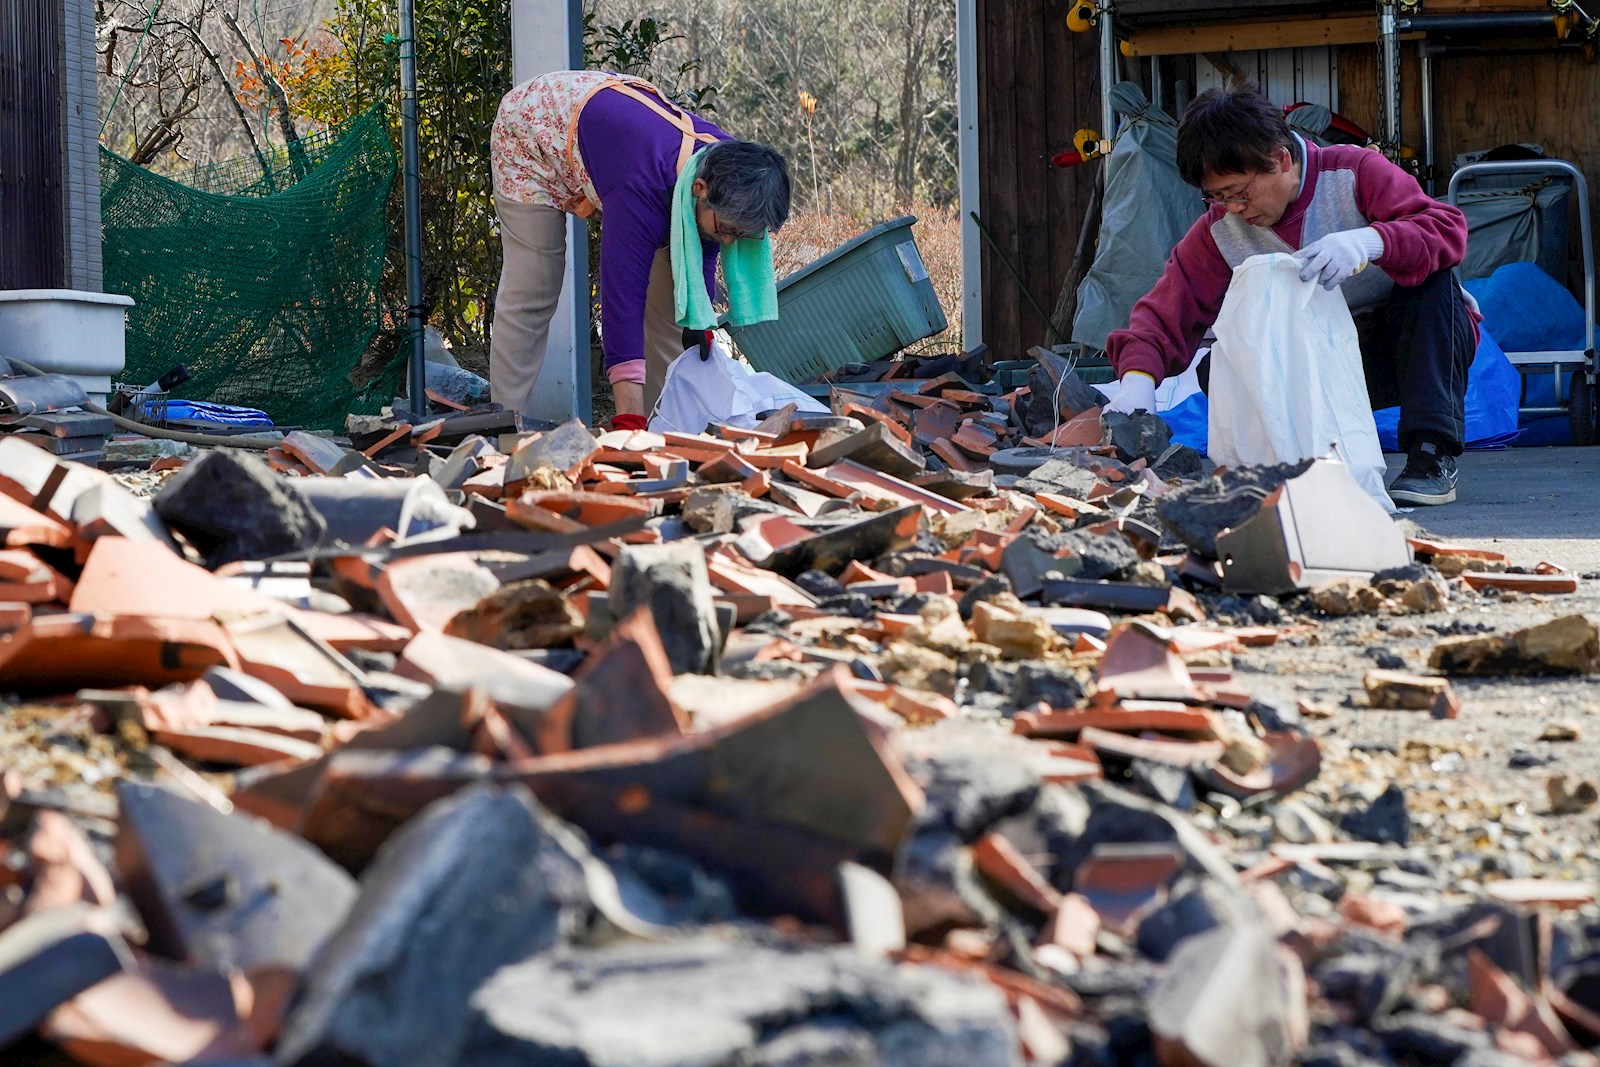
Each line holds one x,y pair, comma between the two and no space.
810,234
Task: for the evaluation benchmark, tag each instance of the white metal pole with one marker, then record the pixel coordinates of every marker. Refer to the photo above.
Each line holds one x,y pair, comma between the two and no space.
547,35
969,173
1108,73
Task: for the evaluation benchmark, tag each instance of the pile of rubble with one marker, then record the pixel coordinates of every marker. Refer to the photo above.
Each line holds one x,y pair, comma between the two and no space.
901,735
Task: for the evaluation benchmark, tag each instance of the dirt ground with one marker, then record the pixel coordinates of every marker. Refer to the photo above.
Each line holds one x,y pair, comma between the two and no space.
1476,786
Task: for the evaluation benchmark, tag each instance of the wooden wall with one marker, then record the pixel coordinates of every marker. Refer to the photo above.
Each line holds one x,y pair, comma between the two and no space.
1038,83
1548,98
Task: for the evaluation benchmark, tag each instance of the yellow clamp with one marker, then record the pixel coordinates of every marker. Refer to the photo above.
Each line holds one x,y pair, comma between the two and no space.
1081,17
1088,144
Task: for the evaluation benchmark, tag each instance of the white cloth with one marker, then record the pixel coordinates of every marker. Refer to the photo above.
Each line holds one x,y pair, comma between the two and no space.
1286,378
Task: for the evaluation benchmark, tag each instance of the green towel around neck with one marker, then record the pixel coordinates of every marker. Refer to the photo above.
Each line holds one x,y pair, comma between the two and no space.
746,267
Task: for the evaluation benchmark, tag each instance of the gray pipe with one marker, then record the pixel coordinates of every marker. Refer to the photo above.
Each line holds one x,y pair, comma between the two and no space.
411,157
1389,76
1108,73
212,440
1494,20
1429,148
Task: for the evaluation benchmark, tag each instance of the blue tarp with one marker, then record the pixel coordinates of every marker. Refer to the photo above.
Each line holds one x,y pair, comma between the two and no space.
1493,386
1529,311
222,414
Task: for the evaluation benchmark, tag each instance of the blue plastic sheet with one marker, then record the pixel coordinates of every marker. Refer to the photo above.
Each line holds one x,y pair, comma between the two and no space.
221,414
1492,389
1190,422
1529,311
1493,386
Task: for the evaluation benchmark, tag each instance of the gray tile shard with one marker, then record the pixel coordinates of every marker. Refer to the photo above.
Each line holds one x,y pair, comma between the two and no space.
477,881
712,1001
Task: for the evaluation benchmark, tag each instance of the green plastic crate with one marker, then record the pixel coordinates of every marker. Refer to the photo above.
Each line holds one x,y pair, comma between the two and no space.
865,300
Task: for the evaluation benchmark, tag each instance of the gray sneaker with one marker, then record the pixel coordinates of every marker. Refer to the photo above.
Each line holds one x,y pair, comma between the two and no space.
1429,478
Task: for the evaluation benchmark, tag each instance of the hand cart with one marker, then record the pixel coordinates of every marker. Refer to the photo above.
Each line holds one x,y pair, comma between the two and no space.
1583,405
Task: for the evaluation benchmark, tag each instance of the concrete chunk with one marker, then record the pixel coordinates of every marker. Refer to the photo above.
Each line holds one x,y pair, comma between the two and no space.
479,880
713,1001
563,448
1568,645
671,581
519,615
231,506
1228,998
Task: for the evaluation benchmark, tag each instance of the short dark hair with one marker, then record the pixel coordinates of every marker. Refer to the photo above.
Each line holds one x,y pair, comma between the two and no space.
1230,131
747,185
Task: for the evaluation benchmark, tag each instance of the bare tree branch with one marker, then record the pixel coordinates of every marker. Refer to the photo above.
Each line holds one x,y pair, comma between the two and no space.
227,85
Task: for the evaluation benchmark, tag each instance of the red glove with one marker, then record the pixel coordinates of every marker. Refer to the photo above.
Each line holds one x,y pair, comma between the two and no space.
629,422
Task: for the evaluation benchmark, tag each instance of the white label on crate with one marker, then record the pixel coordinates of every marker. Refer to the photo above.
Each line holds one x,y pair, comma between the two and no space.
915,271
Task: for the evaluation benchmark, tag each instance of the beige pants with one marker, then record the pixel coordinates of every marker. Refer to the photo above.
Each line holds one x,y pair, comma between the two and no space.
533,239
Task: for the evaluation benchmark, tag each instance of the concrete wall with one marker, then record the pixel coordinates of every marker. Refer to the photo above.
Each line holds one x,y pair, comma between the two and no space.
547,35
79,145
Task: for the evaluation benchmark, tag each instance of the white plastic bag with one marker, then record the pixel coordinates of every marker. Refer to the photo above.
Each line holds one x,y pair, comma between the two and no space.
1286,379
721,389
1170,392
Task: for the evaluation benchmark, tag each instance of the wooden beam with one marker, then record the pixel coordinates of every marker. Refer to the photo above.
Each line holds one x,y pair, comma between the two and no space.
1254,35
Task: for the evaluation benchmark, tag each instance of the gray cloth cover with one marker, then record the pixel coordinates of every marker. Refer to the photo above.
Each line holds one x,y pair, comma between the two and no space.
1512,225
1146,209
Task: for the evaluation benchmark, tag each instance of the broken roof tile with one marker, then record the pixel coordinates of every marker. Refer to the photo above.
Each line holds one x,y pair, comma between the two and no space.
50,957
526,691
426,592
22,526
222,890
59,653
875,485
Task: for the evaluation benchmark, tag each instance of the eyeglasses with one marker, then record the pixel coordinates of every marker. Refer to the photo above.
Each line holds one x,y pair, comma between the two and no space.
721,230
736,235
1242,197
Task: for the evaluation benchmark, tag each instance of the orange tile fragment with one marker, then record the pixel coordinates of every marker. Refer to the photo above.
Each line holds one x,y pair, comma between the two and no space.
998,860
21,525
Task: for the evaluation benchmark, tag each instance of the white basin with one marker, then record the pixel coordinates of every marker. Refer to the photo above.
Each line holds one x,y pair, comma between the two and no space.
67,331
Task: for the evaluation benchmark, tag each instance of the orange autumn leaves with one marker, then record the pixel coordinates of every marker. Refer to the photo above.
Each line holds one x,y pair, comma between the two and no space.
297,70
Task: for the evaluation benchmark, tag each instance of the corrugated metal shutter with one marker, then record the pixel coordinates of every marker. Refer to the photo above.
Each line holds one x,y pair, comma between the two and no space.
31,236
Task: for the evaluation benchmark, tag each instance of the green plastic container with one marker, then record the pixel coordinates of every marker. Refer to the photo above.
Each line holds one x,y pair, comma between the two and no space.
865,300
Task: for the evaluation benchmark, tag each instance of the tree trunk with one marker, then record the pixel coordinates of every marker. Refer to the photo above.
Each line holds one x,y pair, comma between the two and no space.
297,152
905,169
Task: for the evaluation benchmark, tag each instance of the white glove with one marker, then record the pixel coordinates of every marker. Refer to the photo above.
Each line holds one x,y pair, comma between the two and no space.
1138,393
1334,259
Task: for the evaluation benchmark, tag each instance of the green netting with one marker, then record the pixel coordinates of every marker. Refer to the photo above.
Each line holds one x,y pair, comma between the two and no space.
263,280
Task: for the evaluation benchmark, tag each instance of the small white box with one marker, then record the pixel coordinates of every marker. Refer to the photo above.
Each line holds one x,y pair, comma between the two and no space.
67,331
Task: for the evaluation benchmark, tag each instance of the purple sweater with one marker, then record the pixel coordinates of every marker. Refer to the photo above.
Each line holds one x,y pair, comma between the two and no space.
1344,184
632,157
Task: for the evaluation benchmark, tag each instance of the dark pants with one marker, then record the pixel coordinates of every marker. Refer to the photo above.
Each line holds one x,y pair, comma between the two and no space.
1415,352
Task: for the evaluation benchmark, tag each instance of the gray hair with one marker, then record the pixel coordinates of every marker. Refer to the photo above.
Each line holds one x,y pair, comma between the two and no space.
747,185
